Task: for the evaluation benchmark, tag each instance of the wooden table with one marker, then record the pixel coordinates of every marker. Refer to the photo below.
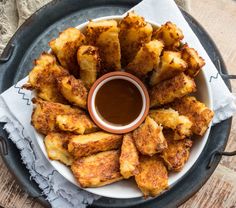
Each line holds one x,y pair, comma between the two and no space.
219,19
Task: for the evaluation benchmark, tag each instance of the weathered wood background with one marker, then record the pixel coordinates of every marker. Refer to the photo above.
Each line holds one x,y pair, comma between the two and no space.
219,19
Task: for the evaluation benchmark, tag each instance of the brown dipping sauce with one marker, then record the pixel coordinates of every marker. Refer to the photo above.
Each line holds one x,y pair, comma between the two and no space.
118,102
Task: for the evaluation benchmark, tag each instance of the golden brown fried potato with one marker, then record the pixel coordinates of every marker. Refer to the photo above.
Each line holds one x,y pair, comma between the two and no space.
152,178
84,145
195,62
128,157
134,32
45,113
168,90
197,112
177,153
170,34
73,90
171,65
146,59
170,118
97,170
104,35
149,138
43,77
89,62
78,124
56,146
65,47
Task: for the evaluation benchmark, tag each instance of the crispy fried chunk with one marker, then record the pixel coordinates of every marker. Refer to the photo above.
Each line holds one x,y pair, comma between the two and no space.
73,90
65,47
168,90
197,112
177,153
56,146
170,118
89,62
129,157
78,124
88,144
170,34
134,31
171,65
45,113
152,178
149,138
97,170
105,35
195,62
43,77
146,59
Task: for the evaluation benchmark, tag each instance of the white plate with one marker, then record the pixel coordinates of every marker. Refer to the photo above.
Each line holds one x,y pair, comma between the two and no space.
128,188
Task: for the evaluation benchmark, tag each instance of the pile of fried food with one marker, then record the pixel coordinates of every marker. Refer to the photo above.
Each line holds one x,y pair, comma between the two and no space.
63,77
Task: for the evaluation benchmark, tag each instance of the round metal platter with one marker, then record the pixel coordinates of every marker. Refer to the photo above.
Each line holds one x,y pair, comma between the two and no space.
32,38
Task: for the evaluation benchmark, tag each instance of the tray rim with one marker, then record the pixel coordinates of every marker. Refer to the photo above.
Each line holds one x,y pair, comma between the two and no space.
28,22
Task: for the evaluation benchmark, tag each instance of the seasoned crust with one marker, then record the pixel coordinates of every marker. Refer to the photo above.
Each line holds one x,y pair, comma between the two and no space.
65,47
129,158
170,118
152,178
78,124
170,34
73,90
89,62
43,77
197,112
149,138
104,35
134,31
195,62
97,170
146,59
170,65
88,144
177,153
45,113
56,147
171,89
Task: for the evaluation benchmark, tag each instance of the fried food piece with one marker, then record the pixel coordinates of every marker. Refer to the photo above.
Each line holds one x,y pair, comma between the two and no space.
152,178
65,47
84,145
149,138
171,65
170,34
105,35
197,112
170,118
146,59
78,124
177,153
45,113
43,77
195,62
73,90
56,146
129,157
89,62
134,31
97,170
168,90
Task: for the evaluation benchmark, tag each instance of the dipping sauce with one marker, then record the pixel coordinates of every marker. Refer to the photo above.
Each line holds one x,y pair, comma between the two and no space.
118,102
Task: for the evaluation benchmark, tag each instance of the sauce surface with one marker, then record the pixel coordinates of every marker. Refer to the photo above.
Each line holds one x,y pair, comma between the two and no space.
118,102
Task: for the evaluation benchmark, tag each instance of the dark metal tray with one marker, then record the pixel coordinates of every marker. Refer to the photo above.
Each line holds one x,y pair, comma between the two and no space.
31,39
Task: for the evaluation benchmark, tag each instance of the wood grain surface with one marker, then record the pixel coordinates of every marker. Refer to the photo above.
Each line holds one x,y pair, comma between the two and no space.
218,17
